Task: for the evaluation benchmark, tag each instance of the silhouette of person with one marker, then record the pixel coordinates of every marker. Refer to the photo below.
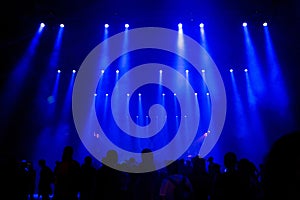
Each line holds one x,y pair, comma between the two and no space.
173,178
108,183
281,168
200,178
227,185
88,179
31,178
45,180
146,184
67,176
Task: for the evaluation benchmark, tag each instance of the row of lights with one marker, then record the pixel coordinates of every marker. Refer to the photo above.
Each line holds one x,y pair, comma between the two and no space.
160,71
163,94
201,25
59,71
245,24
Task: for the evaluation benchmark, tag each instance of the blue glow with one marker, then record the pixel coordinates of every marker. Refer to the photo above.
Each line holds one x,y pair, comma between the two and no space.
251,97
66,110
277,87
240,120
56,49
256,77
17,78
126,25
255,126
106,25
202,36
53,98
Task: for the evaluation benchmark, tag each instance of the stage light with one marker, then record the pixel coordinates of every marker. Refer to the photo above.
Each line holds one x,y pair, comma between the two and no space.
126,25
196,93
42,25
128,94
207,93
246,70
163,94
74,71
140,94
160,71
106,94
95,94
231,70
203,70
244,24
174,94
201,25
102,71
58,71
180,26
187,71
117,71
62,25
106,25
265,24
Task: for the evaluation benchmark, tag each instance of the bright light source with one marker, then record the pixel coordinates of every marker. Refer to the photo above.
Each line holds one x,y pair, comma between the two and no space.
265,24
95,94
140,94
128,94
196,93
58,71
180,26
187,71
42,25
163,94
102,71
117,71
74,71
203,70
201,25
244,24
62,25
207,93
126,25
231,70
106,94
246,70
106,25
160,71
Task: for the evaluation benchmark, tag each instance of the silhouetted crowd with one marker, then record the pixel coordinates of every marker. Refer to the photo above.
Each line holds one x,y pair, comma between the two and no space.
276,178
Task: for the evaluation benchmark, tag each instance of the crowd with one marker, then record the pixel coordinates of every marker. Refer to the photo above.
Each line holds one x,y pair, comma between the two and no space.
276,178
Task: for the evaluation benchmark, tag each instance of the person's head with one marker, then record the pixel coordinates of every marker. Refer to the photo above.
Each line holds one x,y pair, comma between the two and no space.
147,155
281,168
67,153
111,158
42,163
88,160
230,160
198,163
173,167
